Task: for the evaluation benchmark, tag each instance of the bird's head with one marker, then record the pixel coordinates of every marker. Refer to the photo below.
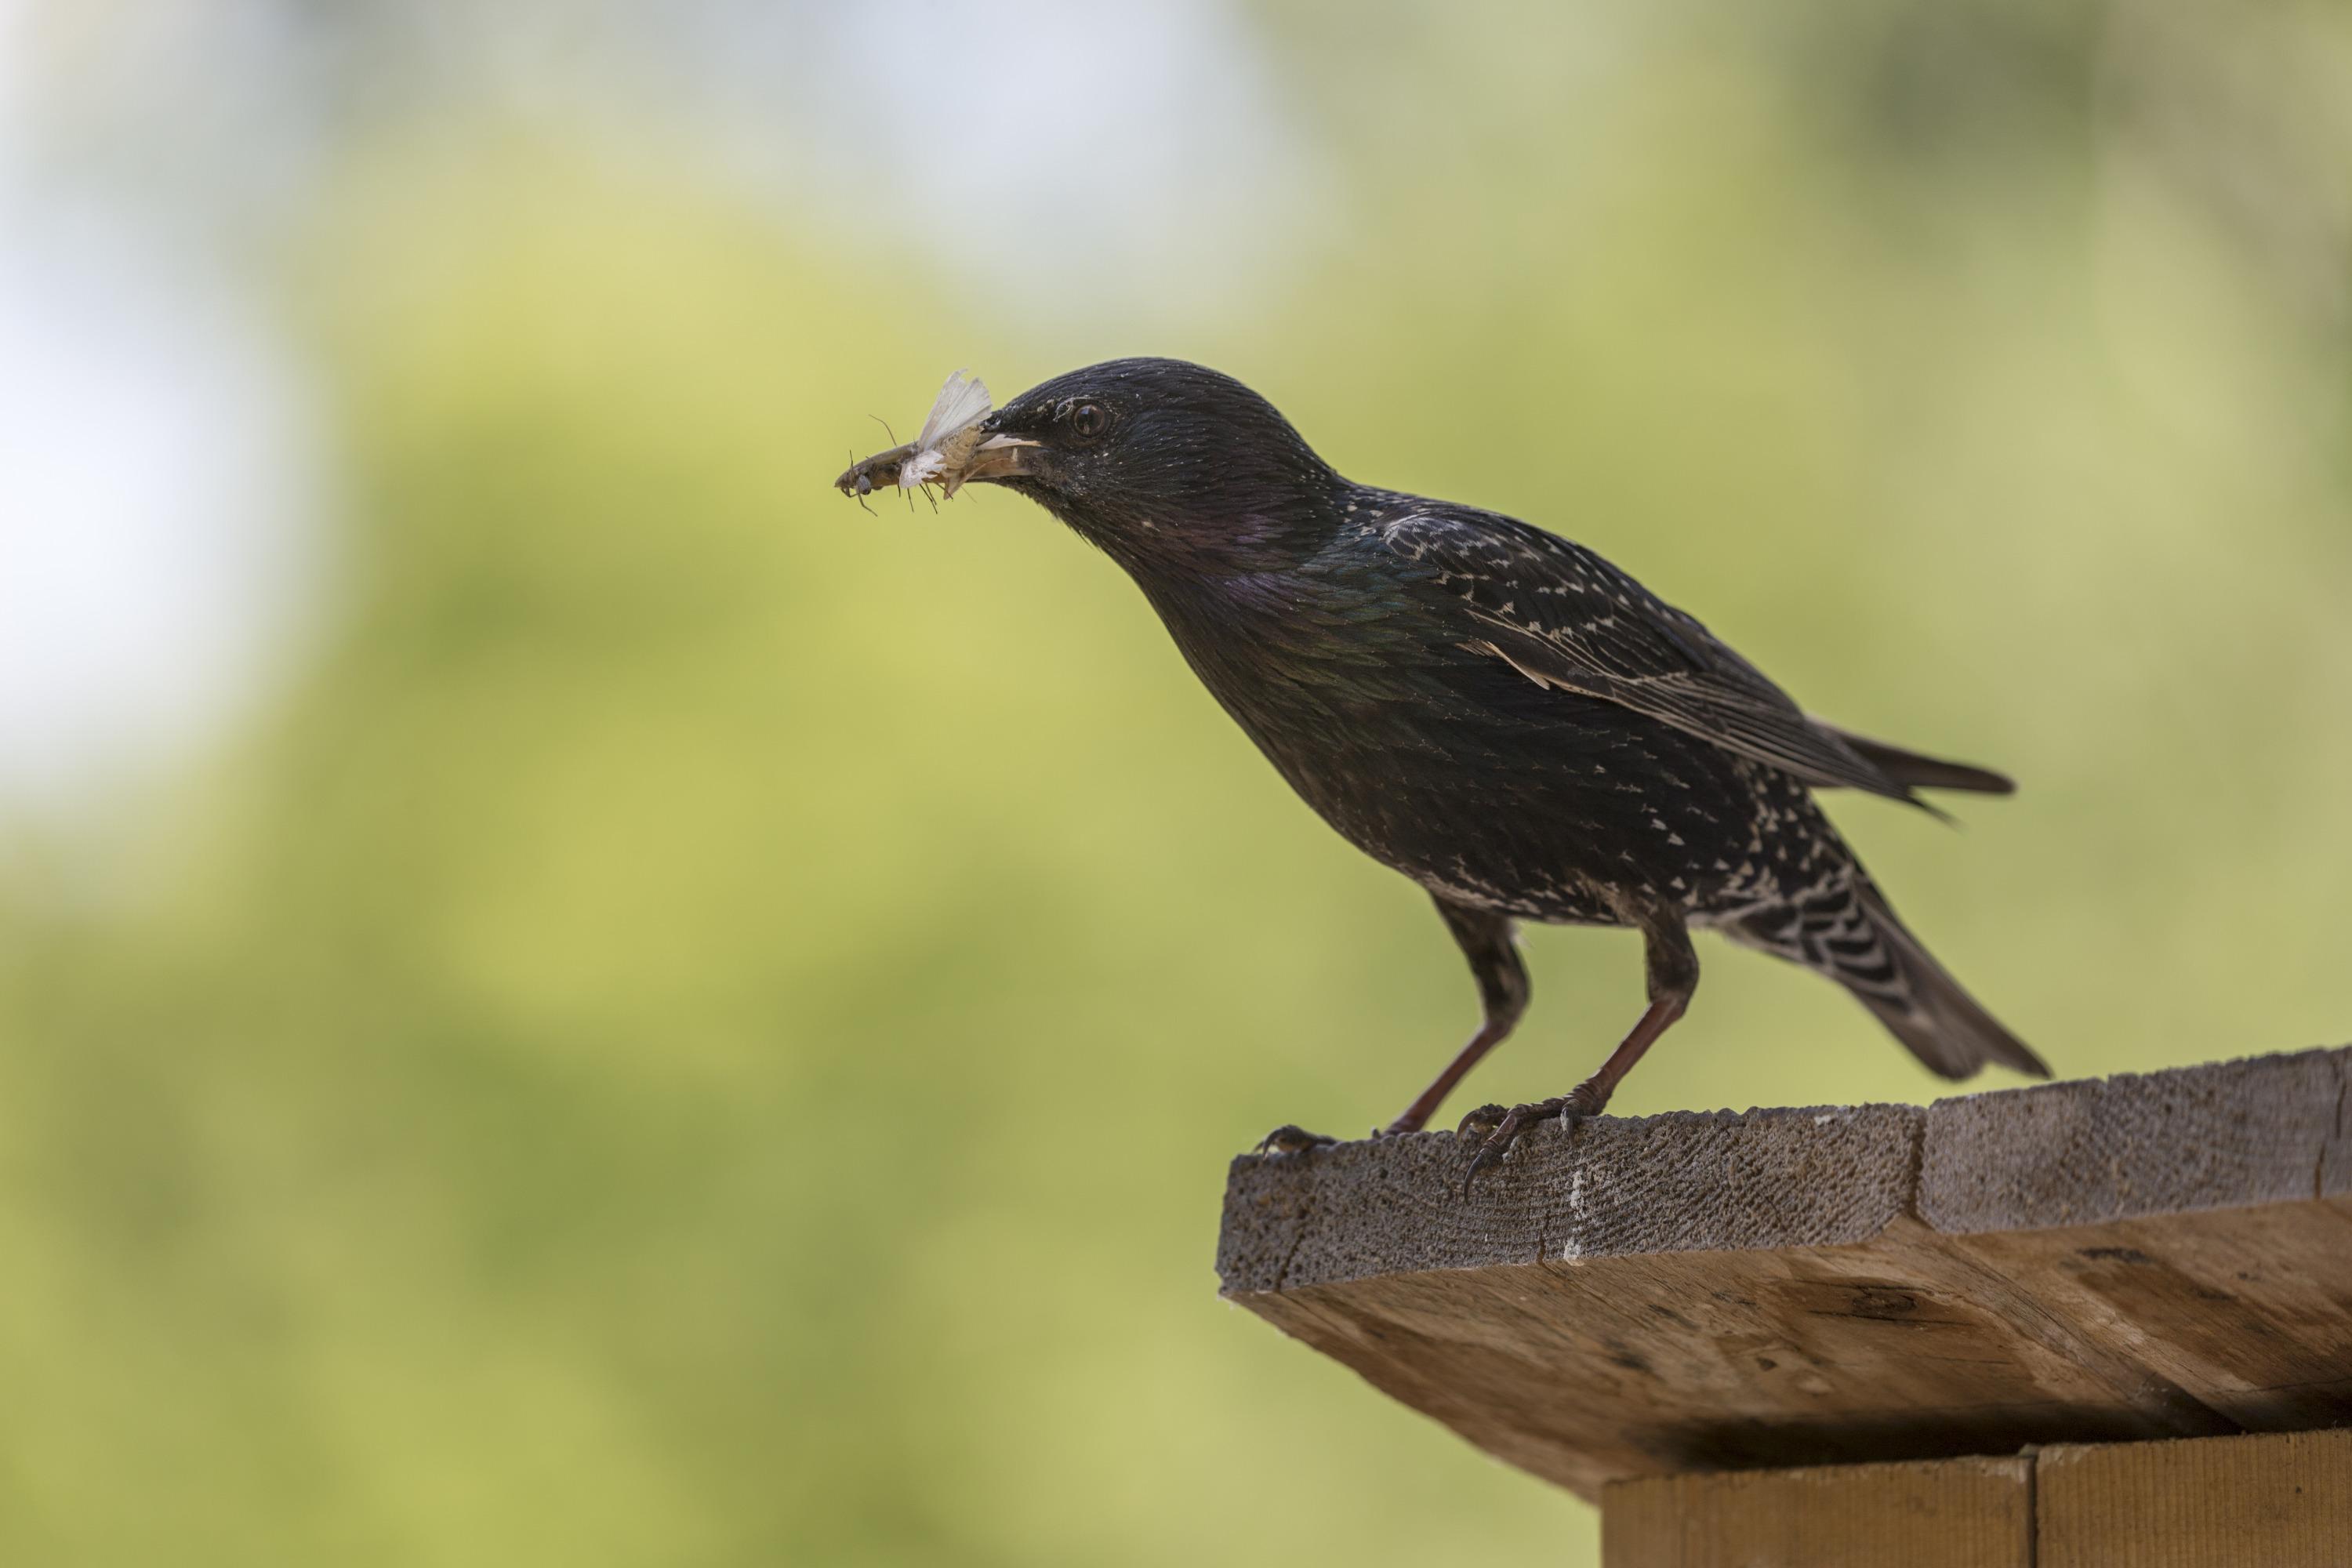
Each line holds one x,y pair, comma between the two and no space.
1167,466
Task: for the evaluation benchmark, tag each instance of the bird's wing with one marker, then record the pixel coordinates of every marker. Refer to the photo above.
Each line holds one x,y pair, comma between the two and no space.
1564,618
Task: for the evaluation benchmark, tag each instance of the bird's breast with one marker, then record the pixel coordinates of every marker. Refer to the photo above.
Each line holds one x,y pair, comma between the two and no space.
1453,768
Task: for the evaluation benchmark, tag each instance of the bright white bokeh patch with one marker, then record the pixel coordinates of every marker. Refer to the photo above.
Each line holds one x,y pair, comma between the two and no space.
1092,159
155,478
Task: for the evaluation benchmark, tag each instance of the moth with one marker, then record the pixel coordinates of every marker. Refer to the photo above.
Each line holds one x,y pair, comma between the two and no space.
939,454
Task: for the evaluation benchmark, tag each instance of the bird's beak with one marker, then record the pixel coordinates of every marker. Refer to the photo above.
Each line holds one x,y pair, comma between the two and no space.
1000,457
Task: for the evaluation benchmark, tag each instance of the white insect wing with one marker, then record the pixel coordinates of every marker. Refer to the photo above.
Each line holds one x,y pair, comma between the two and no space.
961,403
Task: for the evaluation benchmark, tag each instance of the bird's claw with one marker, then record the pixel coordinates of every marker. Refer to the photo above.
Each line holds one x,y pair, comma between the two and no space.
1498,1129
1292,1139
1482,1121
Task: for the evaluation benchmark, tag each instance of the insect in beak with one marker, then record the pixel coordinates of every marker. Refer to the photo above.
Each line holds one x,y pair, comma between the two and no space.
856,485
866,476
942,454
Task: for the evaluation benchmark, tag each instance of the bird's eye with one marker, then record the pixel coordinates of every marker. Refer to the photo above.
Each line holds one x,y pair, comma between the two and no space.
1088,421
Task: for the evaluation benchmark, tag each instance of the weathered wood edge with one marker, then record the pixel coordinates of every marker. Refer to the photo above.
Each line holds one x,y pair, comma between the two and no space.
2227,1134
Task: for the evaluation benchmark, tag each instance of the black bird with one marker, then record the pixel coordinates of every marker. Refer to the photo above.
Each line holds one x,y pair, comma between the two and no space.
1495,712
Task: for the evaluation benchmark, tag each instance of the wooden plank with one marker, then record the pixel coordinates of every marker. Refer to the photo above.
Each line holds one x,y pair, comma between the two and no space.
2282,1501
2248,1311
1953,1513
1590,1372
2227,1135
2163,1255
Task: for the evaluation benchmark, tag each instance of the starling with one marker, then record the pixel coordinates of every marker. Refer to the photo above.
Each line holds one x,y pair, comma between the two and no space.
1498,714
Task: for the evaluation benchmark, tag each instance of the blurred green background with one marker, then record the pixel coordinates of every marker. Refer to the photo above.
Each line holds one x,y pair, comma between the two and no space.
640,1014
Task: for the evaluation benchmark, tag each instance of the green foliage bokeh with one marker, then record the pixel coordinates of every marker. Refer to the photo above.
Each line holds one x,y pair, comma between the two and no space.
705,1027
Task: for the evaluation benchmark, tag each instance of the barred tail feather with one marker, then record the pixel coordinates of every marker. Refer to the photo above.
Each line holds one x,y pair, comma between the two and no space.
1927,1010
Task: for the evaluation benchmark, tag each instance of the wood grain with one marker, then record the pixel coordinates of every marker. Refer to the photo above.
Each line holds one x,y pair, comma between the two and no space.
2282,1501
1954,1514
2160,1255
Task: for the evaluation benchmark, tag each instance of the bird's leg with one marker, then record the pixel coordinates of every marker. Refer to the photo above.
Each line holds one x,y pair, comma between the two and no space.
1674,976
1503,990
1486,939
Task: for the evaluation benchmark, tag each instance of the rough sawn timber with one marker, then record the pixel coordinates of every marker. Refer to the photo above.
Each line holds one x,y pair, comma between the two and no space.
2158,1255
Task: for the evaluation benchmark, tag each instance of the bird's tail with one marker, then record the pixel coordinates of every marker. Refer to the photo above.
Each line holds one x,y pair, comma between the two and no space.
1928,1011
1846,929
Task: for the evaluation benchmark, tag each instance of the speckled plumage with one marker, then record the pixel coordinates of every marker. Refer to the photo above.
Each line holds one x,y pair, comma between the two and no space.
1494,711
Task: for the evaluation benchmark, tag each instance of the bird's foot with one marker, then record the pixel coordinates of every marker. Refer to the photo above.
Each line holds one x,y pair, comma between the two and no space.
1292,1139
1498,1129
